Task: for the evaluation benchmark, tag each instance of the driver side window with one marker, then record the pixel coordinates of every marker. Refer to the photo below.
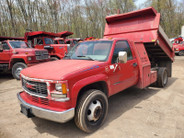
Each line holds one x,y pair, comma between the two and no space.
121,46
39,41
5,46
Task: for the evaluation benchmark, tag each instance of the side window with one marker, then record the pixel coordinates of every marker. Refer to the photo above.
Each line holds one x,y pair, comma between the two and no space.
55,42
39,41
68,42
5,46
1,47
121,46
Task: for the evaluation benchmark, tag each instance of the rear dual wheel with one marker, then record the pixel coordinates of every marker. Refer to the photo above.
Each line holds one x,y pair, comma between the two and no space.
162,77
91,110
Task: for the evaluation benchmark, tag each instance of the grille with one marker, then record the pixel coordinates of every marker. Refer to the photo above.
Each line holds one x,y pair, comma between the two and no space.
35,99
41,55
37,88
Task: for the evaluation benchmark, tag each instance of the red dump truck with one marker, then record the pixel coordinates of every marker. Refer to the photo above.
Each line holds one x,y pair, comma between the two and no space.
135,51
15,55
178,44
44,40
63,40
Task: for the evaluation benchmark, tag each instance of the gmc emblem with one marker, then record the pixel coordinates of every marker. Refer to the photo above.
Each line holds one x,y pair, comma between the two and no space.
30,86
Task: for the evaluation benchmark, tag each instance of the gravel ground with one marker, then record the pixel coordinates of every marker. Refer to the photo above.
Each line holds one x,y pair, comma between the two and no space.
133,113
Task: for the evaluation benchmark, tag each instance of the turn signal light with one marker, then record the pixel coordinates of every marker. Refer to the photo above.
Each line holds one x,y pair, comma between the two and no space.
64,88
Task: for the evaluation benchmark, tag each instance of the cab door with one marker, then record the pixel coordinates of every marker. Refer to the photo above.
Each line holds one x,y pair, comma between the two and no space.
123,75
38,43
6,54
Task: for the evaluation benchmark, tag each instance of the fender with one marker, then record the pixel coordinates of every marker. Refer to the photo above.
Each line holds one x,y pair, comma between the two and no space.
19,56
86,81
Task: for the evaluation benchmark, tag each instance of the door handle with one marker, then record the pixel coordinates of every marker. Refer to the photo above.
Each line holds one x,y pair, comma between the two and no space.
135,64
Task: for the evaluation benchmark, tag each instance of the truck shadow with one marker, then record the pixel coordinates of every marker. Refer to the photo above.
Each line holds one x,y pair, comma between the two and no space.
4,76
118,104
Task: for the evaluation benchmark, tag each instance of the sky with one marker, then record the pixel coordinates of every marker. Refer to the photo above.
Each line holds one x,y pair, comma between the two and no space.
139,2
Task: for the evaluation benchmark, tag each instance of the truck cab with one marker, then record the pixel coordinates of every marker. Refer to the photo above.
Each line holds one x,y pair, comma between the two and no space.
16,55
44,40
134,51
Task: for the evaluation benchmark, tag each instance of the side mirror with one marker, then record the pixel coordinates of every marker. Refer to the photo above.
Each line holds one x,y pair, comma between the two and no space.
122,56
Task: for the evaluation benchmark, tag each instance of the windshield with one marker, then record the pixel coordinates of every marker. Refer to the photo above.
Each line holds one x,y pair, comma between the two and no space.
91,50
48,41
18,44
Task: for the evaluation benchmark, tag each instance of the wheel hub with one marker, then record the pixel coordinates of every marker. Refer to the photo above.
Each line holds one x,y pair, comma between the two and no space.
94,111
165,77
18,70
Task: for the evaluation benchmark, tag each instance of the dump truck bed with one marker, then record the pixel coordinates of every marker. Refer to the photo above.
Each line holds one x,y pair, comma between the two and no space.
141,26
2,38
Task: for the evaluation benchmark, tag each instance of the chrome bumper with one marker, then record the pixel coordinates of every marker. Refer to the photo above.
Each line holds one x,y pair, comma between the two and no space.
56,116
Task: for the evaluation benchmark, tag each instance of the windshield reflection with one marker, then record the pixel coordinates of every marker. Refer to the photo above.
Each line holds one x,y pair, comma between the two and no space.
90,50
18,44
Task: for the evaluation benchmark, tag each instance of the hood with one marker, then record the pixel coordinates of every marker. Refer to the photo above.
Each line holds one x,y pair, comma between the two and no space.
58,70
178,45
29,50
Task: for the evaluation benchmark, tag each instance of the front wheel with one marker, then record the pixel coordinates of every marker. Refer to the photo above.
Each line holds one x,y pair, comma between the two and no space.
54,58
181,53
91,110
16,69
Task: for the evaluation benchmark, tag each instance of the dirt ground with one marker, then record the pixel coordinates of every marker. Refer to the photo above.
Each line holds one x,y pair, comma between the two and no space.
133,113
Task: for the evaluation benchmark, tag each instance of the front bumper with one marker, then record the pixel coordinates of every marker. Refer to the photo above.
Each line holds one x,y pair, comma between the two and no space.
56,116
176,52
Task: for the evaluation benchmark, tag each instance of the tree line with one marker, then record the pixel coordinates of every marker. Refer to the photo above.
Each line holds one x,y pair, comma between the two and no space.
82,17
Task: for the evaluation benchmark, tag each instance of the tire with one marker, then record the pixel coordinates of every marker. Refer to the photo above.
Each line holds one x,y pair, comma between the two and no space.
16,69
91,110
54,58
181,53
162,77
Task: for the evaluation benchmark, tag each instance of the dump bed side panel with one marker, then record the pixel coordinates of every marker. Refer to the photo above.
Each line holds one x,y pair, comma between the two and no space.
145,76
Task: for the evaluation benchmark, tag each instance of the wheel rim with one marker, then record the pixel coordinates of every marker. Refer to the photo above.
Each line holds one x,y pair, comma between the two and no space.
17,71
94,111
165,78
181,53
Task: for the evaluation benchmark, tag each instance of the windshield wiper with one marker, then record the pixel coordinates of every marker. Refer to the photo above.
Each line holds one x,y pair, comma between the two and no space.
67,57
86,57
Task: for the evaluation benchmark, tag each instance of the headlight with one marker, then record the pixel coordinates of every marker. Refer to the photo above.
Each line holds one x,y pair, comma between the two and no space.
177,49
60,91
58,87
61,87
29,58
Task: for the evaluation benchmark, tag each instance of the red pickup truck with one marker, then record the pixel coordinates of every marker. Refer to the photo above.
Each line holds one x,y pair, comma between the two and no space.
44,40
15,55
135,51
